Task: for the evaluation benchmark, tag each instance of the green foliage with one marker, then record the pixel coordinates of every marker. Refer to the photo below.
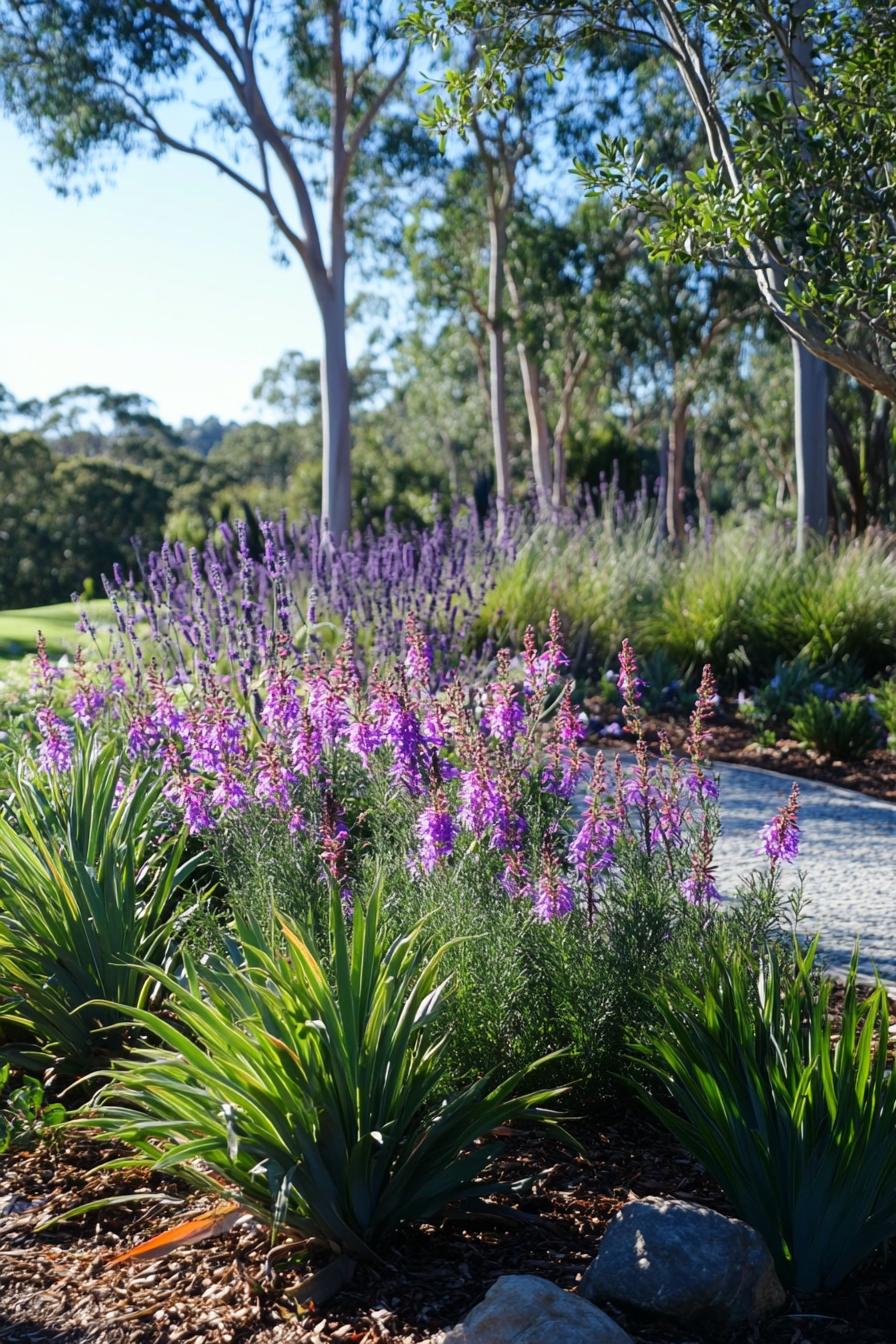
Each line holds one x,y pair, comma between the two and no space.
91,884
842,729
521,988
313,1084
885,704
772,705
26,468
98,502
601,579
24,1118
740,600
792,1113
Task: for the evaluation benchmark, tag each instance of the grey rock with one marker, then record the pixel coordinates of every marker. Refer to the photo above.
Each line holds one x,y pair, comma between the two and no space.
677,1259
524,1309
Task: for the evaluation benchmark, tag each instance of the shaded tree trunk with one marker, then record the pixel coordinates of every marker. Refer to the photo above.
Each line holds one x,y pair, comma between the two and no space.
810,438
879,454
677,441
701,483
572,374
852,469
662,449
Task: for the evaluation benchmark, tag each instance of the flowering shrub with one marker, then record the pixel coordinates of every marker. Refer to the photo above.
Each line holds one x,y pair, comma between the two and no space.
249,583
571,887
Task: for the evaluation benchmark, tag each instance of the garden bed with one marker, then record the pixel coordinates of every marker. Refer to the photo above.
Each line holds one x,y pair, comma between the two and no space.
57,1285
734,742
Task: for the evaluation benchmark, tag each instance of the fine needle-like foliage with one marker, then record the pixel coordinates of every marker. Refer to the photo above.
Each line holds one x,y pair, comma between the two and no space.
91,883
312,1085
795,1118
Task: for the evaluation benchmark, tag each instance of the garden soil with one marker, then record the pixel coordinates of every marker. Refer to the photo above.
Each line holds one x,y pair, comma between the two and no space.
58,1286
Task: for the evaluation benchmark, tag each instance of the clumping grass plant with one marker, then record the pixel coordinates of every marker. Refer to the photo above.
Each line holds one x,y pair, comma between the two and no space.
791,1108
313,1087
843,729
94,885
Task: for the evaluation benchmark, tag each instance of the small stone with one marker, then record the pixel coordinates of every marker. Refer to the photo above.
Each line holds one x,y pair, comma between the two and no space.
524,1309
673,1258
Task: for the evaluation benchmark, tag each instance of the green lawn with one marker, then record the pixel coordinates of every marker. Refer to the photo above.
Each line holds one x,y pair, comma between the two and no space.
18,629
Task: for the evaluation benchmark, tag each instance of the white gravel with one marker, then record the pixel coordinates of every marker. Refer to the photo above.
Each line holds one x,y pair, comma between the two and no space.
847,859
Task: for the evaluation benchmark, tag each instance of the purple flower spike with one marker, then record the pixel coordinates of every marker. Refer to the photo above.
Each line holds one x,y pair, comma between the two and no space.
55,751
780,839
435,830
553,897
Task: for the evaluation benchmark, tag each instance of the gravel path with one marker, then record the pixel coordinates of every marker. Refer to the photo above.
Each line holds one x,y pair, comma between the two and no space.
847,858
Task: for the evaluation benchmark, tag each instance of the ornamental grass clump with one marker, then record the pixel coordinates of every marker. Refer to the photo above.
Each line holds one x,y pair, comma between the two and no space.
788,1105
312,1085
844,729
94,889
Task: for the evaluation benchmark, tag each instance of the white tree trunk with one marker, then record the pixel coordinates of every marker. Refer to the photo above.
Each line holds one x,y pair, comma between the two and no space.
335,387
538,429
810,432
497,368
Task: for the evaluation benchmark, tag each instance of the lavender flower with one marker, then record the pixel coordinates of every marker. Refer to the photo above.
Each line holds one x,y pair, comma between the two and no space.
334,843
503,719
190,796
630,684
592,848
86,704
229,793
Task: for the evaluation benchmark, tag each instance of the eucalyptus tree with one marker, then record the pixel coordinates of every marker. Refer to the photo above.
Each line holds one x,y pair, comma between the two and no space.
513,151
294,103
798,109
563,278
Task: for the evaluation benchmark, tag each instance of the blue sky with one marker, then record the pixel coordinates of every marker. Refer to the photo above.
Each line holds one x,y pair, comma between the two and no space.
164,284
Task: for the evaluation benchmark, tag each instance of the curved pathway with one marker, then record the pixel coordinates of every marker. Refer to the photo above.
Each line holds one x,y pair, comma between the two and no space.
847,859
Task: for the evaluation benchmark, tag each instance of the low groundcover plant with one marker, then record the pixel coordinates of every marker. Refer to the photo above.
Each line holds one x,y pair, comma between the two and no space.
313,1087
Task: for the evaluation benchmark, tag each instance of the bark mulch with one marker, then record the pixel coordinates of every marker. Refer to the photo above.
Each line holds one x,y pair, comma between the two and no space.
56,1287
733,741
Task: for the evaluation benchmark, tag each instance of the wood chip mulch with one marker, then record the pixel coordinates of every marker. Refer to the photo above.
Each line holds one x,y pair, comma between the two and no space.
56,1287
733,741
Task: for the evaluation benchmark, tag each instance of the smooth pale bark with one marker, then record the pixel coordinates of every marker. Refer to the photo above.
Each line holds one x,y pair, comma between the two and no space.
497,371
558,484
538,429
810,416
701,484
335,387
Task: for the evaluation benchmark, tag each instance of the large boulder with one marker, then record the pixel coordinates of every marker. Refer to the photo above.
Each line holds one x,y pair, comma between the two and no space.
677,1259
524,1309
